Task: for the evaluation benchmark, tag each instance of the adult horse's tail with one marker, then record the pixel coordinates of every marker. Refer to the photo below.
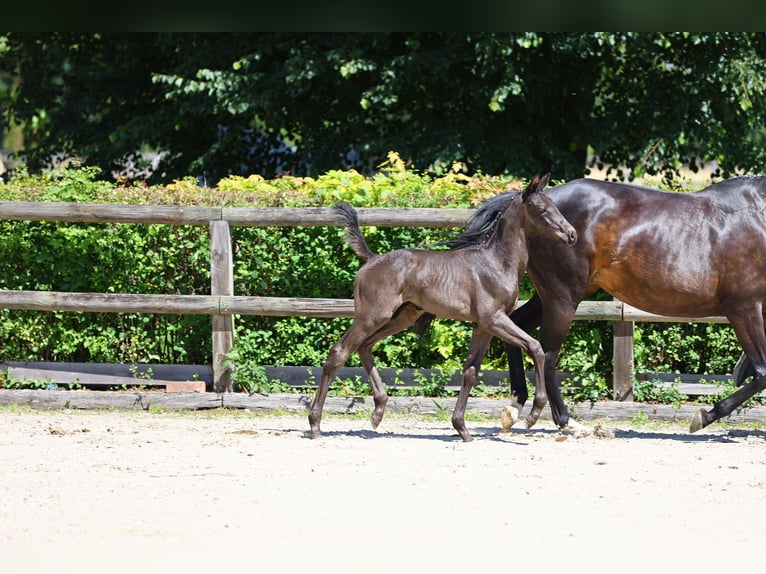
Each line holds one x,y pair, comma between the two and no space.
478,228
354,235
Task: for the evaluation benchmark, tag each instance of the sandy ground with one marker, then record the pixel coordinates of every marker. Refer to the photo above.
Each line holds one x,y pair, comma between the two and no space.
100,491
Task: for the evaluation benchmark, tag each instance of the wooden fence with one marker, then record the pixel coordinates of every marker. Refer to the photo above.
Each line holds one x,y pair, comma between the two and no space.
222,304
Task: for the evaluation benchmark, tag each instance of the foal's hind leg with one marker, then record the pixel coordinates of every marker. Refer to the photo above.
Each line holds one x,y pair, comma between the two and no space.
403,318
479,342
337,357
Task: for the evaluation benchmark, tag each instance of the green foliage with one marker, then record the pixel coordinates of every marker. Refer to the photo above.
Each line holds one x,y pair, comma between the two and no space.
214,104
45,384
685,347
246,375
353,387
583,355
655,391
640,418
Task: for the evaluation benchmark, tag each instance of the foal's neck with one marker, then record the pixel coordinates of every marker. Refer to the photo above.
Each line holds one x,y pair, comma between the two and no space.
510,237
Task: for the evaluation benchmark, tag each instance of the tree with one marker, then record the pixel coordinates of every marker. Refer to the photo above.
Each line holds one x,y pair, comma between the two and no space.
309,102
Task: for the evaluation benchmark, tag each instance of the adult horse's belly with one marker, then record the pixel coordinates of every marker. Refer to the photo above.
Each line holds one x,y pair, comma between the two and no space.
661,291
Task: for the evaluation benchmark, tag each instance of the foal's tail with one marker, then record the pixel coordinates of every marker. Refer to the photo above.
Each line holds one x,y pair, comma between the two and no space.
354,237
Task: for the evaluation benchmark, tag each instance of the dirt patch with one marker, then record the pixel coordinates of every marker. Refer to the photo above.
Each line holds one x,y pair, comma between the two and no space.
95,491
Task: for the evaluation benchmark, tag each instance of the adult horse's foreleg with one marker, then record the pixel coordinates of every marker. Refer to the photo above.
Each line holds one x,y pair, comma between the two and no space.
750,333
556,322
479,342
403,318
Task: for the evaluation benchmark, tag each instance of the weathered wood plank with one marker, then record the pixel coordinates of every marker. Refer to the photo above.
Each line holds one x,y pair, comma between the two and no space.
122,400
221,284
223,304
597,310
635,314
323,216
109,302
287,306
108,213
622,349
614,411
239,216
95,375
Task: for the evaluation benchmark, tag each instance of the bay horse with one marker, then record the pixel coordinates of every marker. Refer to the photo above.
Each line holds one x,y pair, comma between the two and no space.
669,253
479,283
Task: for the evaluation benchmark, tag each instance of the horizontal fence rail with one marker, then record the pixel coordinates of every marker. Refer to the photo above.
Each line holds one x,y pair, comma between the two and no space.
236,216
270,306
222,304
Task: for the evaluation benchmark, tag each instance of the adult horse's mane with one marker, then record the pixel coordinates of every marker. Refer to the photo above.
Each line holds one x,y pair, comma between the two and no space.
483,222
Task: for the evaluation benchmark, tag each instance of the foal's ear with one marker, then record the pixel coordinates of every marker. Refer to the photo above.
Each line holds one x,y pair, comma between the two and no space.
536,185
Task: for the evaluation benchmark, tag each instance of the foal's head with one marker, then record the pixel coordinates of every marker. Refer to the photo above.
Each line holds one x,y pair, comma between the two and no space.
539,216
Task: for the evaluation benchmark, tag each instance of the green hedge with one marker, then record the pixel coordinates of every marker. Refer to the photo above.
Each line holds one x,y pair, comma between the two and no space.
287,262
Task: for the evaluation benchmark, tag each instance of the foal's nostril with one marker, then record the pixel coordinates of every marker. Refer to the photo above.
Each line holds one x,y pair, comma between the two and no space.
572,237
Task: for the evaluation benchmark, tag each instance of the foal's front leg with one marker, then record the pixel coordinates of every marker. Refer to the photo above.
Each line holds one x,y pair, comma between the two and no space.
502,327
479,342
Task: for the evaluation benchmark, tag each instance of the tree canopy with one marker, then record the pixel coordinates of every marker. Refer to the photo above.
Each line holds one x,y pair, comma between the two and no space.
216,104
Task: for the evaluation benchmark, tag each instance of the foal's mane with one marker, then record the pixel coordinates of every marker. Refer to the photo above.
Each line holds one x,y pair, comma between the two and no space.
482,224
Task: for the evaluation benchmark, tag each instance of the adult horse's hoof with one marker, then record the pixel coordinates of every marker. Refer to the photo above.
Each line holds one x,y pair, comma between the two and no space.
508,417
698,421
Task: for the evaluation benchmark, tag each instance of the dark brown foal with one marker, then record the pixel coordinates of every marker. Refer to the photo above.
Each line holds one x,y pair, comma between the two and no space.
477,284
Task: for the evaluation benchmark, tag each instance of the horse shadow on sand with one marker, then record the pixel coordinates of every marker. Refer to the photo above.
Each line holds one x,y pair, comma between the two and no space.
524,436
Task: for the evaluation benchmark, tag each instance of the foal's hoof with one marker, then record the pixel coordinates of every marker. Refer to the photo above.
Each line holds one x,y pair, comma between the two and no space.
509,416
698,421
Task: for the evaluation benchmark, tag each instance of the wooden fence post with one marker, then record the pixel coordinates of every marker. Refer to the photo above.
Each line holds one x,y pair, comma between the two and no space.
221,283
622,371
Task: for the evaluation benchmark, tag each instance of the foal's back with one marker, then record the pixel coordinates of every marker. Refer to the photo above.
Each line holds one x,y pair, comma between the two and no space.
448,284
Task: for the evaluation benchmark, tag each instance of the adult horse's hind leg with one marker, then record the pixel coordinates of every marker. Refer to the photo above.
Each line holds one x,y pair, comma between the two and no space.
743,370
751,335
479,342
556,322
